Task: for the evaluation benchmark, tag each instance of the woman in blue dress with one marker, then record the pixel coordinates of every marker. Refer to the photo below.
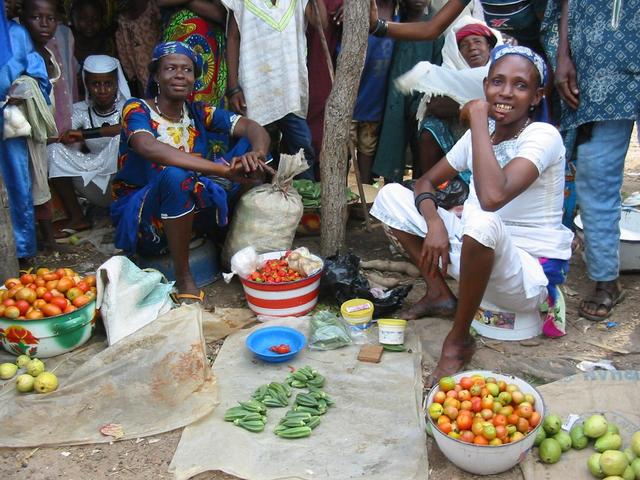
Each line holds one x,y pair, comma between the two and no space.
176,170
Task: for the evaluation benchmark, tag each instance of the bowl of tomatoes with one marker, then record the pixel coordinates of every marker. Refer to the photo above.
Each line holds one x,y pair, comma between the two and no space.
484,422
277,290
47,313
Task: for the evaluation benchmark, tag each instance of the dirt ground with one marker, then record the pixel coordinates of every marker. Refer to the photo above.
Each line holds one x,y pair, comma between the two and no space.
540,361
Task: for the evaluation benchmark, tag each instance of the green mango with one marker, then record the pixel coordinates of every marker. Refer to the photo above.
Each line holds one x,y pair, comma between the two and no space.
635,466
578,439
635,443
612,428
628,474
564,439
550,450
552,424
613,462
595,426
629,453
608,441
539,437
594,465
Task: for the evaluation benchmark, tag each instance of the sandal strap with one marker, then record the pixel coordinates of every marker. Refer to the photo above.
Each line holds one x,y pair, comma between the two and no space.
191,296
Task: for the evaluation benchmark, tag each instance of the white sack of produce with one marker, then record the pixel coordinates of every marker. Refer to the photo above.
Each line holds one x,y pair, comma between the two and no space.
267,216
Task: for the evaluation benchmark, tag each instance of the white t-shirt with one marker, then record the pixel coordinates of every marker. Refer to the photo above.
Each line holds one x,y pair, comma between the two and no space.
273,57
533,218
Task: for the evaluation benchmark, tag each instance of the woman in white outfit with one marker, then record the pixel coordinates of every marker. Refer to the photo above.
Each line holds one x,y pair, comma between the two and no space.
86,157
510,231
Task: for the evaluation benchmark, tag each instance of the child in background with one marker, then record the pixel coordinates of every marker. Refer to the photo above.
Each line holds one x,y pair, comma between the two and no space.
40,19
266,56
91,38
369,108
139,29
14,156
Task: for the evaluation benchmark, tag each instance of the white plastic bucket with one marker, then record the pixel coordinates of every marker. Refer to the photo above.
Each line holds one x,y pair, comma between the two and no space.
485,459
391,331
497,323
629,238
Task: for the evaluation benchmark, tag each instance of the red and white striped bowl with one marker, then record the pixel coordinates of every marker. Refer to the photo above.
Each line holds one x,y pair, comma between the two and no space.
287,299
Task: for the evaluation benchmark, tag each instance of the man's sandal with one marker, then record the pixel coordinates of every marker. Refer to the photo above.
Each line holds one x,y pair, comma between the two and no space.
189,298
606,296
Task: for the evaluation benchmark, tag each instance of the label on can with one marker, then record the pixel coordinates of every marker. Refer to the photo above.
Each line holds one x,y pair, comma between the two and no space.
357,308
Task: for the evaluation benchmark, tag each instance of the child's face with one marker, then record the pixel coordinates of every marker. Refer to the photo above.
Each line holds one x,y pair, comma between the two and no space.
40,19
511,88
86,20
475,50
102,88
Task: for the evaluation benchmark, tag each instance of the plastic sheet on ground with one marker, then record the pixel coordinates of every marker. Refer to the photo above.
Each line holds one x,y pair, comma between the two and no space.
367,434
614,394
155,380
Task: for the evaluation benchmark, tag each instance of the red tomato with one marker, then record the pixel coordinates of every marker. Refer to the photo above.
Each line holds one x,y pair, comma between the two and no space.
59,302
480,440
34,314
22,306
81,301
47,296
27,278
91,280
70,308
9,302
50,310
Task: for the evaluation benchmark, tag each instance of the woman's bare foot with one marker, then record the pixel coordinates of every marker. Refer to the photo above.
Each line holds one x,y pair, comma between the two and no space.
426,307
455,355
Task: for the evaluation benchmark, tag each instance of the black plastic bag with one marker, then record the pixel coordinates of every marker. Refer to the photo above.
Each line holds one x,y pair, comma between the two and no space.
343,281
450,194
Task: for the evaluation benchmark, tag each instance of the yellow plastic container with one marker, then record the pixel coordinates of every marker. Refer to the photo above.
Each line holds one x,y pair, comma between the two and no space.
358,313
391,331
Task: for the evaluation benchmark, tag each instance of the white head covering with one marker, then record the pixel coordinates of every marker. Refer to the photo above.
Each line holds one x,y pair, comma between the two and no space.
454,79
451,56
106,64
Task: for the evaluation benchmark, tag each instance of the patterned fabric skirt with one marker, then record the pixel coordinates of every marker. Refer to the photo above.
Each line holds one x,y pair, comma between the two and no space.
208,40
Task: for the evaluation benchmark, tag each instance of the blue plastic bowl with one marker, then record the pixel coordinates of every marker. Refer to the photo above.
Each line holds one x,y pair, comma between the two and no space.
260,341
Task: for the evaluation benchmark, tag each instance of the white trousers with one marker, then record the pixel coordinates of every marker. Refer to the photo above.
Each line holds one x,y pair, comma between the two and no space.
517,282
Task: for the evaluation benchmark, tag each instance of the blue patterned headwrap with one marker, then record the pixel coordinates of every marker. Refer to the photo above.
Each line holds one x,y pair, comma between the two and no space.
538,62
169,48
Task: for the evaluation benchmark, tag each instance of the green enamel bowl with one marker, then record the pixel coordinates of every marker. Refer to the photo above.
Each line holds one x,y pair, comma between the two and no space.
51,336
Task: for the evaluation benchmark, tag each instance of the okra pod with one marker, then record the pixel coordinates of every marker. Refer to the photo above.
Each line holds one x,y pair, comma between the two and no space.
298,384
290,423
253,426
394,348
235,413
253,406
296,432
313,422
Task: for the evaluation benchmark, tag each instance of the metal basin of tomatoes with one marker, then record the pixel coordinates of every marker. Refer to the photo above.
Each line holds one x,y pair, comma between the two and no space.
49,336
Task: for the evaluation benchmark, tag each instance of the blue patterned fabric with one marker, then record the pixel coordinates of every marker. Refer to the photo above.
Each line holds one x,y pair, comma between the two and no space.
607,60
14,156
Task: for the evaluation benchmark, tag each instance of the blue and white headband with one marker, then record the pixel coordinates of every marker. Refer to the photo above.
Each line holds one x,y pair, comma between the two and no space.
502,50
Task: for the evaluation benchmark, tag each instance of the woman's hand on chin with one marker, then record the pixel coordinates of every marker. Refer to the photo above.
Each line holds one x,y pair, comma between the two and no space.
474,109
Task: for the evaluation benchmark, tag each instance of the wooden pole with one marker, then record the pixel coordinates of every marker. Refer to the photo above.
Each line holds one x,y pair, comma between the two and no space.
363,200
337,122
9,263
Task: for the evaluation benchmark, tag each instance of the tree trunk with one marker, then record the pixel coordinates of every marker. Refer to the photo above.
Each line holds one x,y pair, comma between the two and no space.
337,123
9,264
